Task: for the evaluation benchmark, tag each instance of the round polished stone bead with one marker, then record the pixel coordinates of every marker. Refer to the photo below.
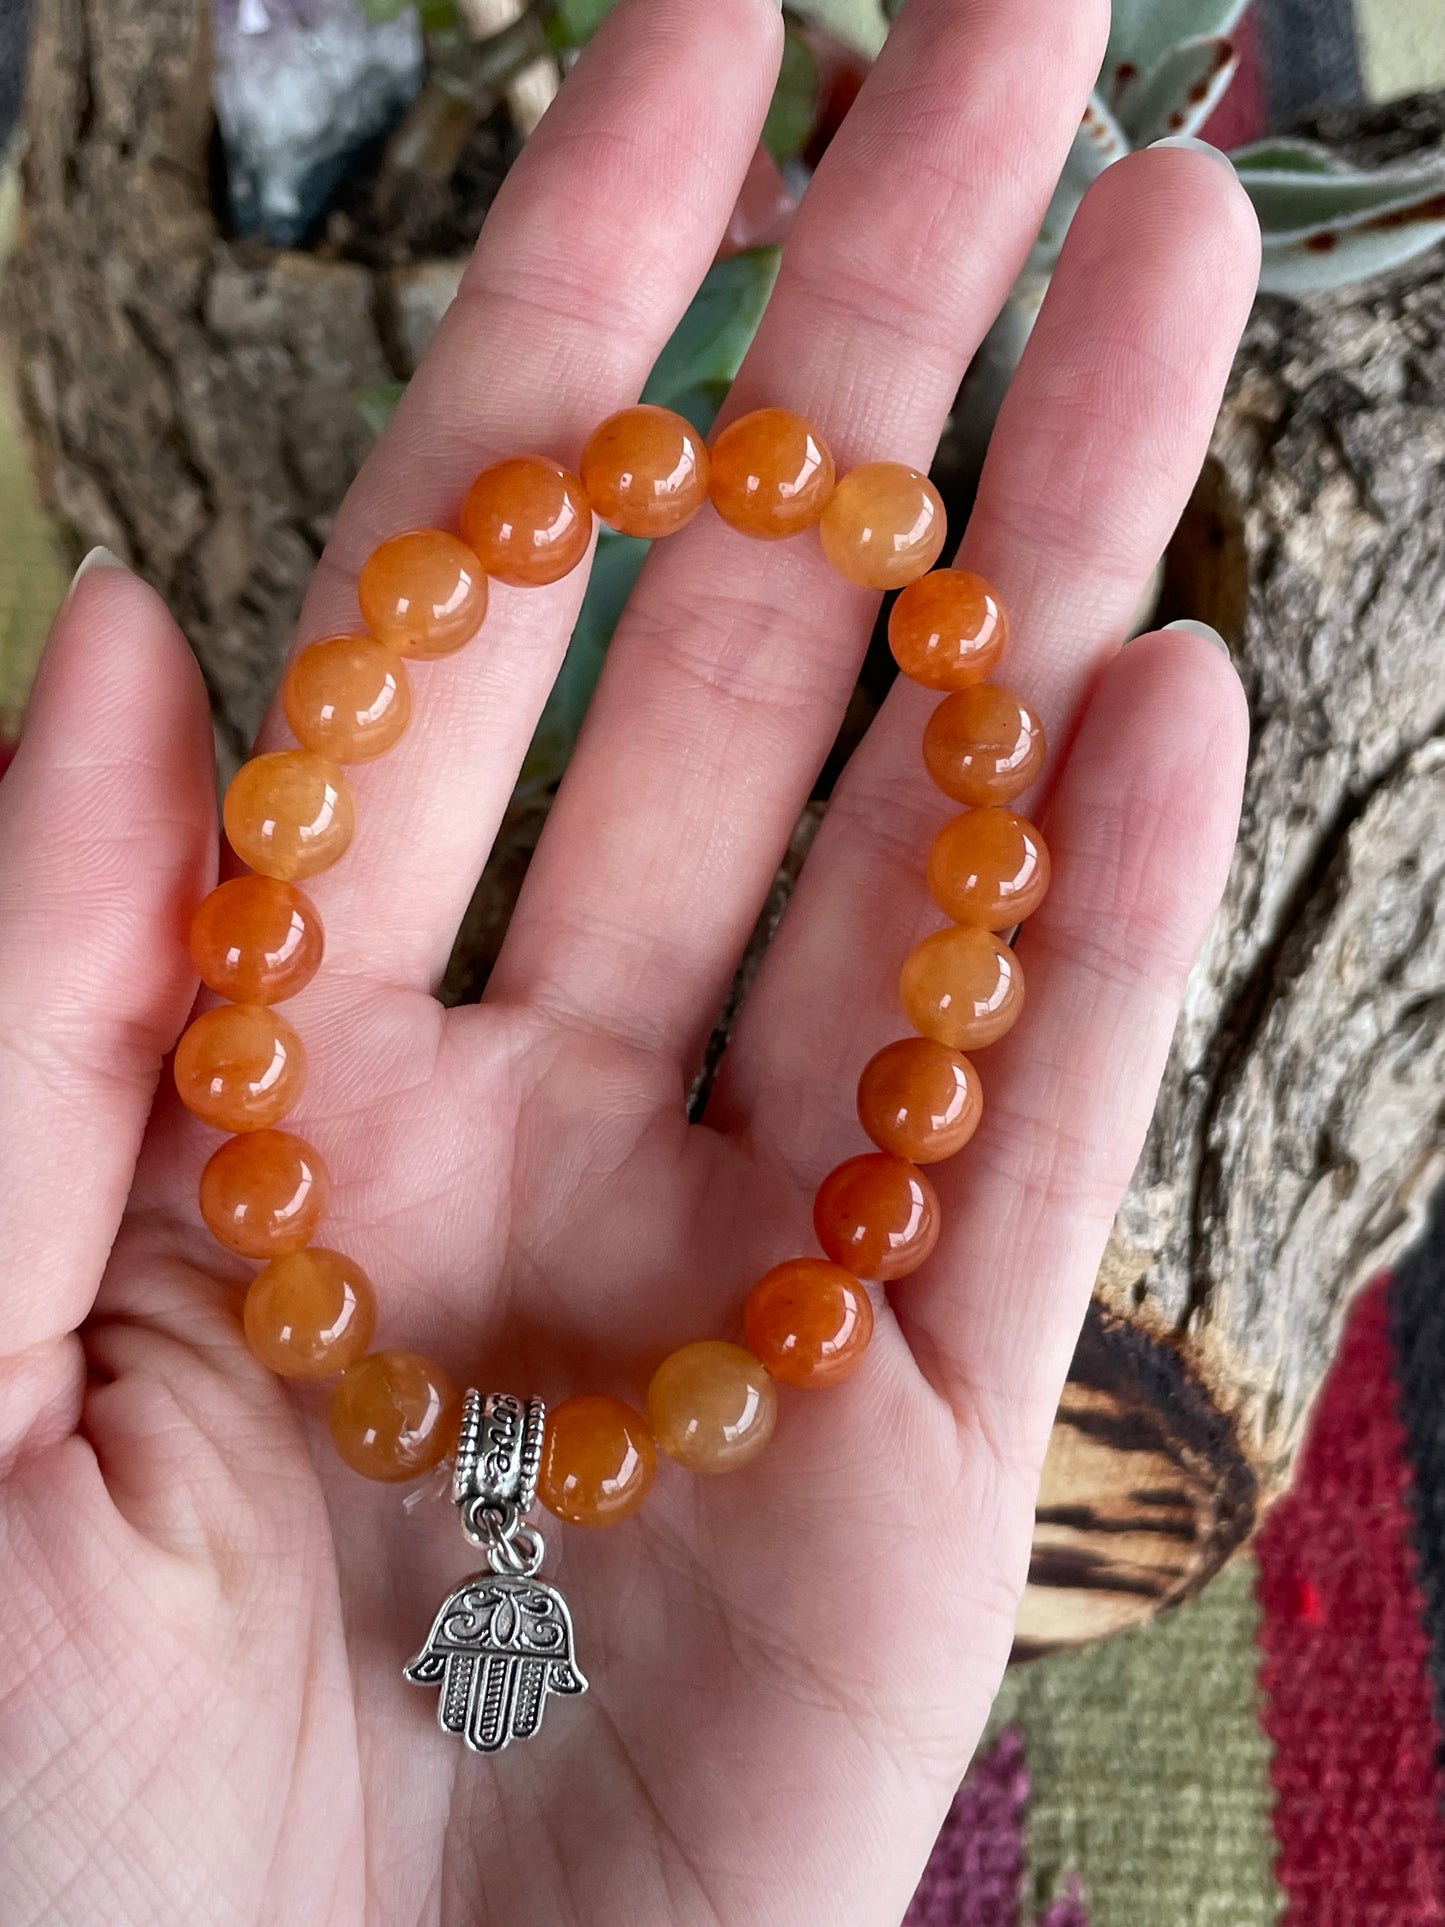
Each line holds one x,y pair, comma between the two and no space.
424,593
947,630
264,1193
962,987
528,519
884,525
645,471
240,1067
988,867
598,1461
772,474
310,1314
289,813
711,1406
257,940
919,1099
394,1415
348,698
877,1215
984,745
809,1322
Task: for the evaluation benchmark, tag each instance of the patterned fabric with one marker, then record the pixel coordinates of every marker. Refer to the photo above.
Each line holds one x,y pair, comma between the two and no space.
1271,1751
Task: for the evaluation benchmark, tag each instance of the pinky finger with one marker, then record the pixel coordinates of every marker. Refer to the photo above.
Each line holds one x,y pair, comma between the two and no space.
1141,827
107,835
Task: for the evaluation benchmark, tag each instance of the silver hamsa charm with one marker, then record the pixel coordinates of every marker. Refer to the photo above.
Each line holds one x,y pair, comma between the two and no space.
503,1641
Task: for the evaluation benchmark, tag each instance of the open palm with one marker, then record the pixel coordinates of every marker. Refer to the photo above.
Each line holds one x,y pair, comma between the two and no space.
203,1616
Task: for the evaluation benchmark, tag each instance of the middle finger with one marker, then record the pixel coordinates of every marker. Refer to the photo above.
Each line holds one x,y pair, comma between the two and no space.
731,669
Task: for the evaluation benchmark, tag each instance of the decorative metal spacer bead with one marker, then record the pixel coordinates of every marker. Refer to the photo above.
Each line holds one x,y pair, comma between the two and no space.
499,1452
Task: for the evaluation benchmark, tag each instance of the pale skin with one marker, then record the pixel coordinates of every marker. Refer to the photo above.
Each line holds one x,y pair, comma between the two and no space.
203,1615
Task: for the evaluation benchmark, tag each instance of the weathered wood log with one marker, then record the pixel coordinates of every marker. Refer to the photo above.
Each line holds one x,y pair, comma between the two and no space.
193,405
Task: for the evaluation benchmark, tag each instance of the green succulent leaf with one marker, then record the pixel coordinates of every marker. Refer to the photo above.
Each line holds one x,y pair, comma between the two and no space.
1297,204
1284,154
614,571
1180,92
1099,142
793,114
861,23
378,12
376,405
1146,32
1333,257
580,19
692,374
707,346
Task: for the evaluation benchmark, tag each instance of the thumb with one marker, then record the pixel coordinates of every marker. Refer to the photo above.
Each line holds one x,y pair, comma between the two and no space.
107,838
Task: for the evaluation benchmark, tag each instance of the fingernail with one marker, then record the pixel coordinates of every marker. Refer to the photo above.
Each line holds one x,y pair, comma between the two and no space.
1192,628
1192,144
99,558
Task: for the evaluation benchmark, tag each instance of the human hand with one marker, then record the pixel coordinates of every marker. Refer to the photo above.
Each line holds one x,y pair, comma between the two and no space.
203,1615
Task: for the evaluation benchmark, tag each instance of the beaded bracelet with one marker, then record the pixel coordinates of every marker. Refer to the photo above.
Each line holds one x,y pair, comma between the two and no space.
503,1641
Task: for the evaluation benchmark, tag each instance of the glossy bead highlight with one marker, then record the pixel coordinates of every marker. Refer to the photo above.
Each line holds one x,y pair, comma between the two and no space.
989,868
310,1314
289,813
529,521
645,471
947,630
877,1215
919,1099
963,987
984,745
394,1415
809,1322
240,1067
598,1461
265,1193
257,940
424,593
772,474
711,1406
884,525
348,698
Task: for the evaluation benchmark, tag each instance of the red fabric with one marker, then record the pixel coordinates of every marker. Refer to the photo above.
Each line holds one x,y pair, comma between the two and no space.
1349,1706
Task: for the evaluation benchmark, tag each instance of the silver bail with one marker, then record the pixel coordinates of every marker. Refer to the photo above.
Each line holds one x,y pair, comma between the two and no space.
494,1482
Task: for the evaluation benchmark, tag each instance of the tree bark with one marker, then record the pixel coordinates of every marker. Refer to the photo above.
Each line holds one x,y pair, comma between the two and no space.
193,405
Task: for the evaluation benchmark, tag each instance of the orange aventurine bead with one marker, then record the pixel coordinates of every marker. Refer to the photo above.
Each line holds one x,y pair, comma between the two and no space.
598,1461
919,1099
947,630
988,867
884,525
310,1313
809,1322
983,745
348,698
423,592
289,813
645,471
772,474
264,1194
257,940
711,1406
395,1414
240,1067
528,519
962,987
877,1215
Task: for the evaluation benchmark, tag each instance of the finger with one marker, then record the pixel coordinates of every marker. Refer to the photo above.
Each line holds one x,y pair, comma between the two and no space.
595,246
1142,827
1096,450
107,839
726,682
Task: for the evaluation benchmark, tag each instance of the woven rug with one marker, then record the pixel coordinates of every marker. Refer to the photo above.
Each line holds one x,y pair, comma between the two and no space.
1271,1751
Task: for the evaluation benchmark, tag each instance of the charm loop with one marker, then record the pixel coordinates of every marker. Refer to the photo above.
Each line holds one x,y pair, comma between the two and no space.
503,1642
